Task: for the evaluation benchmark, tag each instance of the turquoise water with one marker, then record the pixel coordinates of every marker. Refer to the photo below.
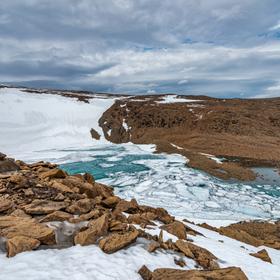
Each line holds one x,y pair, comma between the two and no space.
104,167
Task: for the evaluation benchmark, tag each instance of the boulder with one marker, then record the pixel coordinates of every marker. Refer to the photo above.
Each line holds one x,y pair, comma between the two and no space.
126,206
230,273
88,178
145,273
116,225
202,256
42,207
263,255
61,187
94,134
91,190
8,165
81,206
2,156
93,214
5,204
176,228
240,235
184,248
20,213
153,246
11,226
179,262
111,201
163,216
117,241
97,228
255,233
59,216
143,218
18,244
53,173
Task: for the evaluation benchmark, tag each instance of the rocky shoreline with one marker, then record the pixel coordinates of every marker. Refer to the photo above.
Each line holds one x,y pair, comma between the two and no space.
36,199
224,137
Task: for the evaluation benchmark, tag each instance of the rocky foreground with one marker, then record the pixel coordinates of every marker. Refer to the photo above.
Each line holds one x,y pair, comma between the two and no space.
33,197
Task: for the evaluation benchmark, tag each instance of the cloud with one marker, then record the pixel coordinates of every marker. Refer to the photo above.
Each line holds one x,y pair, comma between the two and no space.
221,48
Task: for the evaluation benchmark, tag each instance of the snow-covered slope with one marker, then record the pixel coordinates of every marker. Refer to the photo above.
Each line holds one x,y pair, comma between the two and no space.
32,122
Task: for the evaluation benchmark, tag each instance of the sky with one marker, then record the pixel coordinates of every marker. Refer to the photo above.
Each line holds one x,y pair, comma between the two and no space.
221,48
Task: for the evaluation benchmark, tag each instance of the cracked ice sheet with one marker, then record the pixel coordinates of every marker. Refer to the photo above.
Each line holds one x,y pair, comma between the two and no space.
193,194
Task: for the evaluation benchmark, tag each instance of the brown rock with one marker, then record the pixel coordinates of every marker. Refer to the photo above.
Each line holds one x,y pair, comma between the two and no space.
81,206
53,173
41,207
117,241
2,156
163,216
20,244
153,246
202,256
143,218
230,273
94,134
179,262
5,204
91,190
8,165
176,228
184,248
117,226
56,216
111,201
61,187
263,255
255,233
103,190
20,213
93,214
11,226
240,235
59,197
145,273
126,206
88,178
97,228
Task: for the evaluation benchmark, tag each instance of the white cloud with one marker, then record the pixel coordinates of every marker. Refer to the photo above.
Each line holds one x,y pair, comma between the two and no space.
195,46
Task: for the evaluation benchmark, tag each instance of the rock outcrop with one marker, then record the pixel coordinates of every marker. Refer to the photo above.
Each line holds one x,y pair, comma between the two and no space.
20,244
231,273
263,255
117,241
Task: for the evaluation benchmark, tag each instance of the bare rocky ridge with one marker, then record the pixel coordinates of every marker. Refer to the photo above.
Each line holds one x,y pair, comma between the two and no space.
238,130
30,199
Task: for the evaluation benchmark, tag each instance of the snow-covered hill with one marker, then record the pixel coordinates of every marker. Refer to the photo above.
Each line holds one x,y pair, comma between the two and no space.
32,122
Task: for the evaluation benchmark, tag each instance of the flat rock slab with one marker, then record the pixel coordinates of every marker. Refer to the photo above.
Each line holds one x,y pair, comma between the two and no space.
117,241
41,207
11,226
20,244
230,273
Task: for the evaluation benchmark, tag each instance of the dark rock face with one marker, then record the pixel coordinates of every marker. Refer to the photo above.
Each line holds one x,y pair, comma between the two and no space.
94,134
7,164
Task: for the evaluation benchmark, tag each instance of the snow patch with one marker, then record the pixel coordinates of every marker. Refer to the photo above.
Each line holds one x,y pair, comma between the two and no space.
174,99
